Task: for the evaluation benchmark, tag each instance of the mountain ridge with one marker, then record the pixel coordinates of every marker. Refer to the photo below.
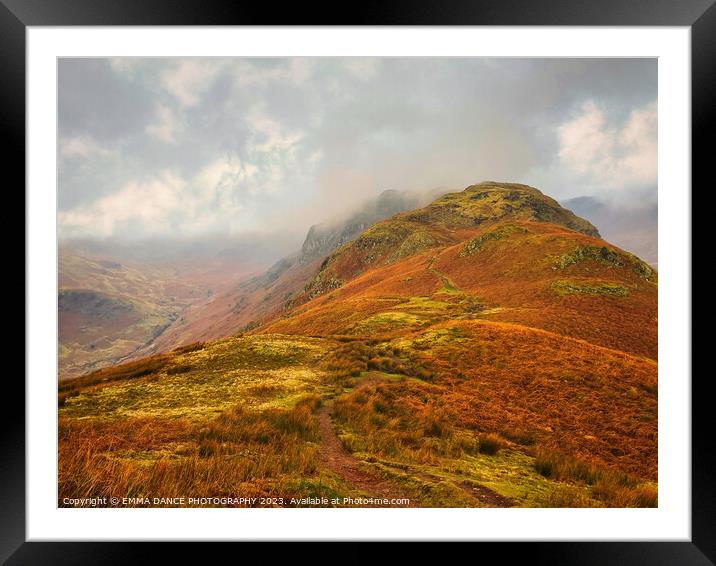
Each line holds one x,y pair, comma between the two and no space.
434,225
325,237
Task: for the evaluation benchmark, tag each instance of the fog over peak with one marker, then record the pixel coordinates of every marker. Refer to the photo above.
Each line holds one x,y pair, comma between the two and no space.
177,149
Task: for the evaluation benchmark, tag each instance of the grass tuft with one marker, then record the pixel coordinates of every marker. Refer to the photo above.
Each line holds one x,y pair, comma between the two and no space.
491,444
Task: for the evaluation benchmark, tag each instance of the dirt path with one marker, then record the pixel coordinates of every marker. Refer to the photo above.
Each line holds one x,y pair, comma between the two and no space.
337,459
483,494
447,283
486,496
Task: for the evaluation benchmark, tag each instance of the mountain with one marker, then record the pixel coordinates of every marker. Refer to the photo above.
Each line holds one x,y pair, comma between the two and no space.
437,225
499,252
488,349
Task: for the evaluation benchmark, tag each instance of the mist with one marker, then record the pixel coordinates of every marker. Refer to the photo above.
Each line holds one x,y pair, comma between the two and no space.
234,157
255,249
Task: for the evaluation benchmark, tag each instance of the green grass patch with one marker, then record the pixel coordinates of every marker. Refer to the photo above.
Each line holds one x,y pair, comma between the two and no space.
477,243
386,322
424,305
605,256
589,288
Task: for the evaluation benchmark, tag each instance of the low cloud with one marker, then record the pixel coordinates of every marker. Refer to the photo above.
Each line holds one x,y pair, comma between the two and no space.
220,198
190,147
147,203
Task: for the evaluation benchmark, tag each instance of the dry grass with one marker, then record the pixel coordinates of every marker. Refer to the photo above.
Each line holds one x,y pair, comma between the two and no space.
491,444
533,387
612,488
497,402
386,422
123,372
241,452
197,424
502,388
193,347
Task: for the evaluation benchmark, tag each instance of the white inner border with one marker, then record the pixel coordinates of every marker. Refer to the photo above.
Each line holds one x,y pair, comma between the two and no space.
671,521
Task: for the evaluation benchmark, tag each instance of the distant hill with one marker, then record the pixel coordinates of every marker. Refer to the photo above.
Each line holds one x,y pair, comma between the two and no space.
435,225
109,310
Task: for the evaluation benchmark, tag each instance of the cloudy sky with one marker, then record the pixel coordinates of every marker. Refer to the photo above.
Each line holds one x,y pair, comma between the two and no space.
191,148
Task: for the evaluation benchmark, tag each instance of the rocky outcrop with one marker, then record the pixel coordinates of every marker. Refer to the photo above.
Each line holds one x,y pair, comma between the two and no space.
324,238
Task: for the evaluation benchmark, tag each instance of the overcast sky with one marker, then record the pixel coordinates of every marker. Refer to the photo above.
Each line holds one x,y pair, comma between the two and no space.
190,148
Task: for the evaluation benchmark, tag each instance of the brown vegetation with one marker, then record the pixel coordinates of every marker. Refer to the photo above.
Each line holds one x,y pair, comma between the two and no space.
511,353
246,452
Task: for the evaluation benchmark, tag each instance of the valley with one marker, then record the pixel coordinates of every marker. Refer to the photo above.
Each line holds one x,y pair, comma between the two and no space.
109,311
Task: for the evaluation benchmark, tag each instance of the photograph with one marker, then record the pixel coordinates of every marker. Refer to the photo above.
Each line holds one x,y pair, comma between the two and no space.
357,282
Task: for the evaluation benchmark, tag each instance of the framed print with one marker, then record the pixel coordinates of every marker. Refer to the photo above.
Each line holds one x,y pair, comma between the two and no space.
425,278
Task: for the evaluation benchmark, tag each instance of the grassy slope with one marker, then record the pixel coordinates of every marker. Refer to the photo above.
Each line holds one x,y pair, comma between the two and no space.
524,276
231,417
238,416
512,352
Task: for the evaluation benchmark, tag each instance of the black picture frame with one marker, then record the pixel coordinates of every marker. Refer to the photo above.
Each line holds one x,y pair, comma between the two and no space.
17,15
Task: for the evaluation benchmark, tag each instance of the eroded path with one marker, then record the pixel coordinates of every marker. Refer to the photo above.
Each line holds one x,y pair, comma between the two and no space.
336,458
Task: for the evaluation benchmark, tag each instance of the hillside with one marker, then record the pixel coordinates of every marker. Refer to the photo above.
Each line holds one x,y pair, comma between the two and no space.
489,349
503,253
445,221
